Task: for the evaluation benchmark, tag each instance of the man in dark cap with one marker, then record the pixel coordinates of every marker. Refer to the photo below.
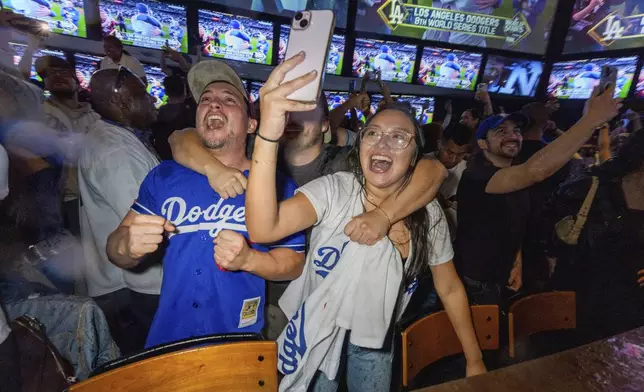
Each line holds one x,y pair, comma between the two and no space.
493,202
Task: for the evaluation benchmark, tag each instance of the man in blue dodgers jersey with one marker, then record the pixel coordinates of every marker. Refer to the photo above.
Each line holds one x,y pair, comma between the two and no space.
146,24
451,69
588,79
199,298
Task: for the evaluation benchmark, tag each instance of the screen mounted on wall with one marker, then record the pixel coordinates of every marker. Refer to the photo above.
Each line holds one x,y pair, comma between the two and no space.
394,60
235,37
577,79
519,25
512,76
61,16
145,23
600,25
449,68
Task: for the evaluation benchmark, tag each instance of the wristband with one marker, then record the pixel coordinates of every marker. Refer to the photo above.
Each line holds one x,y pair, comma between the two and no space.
259,135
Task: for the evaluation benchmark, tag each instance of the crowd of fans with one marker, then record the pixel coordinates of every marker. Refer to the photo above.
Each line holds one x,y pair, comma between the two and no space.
286,219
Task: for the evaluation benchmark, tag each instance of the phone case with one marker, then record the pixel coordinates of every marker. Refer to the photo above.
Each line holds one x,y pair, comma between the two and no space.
314,40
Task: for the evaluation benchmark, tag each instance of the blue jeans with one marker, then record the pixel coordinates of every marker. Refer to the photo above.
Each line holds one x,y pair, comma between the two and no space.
75,325
367,370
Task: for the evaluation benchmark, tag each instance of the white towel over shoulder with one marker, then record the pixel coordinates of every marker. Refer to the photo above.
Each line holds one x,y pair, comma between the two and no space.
359,295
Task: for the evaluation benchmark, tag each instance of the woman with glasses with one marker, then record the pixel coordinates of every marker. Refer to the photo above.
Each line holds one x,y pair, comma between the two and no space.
382,162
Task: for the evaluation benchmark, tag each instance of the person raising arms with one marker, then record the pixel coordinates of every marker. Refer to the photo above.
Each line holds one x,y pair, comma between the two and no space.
381,167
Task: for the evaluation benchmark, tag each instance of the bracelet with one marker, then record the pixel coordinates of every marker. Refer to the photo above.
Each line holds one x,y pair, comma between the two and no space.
385,214
259,135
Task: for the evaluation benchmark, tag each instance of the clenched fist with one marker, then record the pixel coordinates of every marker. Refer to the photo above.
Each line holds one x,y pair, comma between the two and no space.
145,234
231,250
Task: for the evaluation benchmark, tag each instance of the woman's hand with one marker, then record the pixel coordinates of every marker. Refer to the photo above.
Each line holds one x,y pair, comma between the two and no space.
474,368
274,104
640,278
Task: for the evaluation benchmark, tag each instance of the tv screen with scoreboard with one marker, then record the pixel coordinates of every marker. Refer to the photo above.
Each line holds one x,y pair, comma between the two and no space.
155,87
608,25
449,68
86,65
145,23
19,51
288,8
422,106
577,79
61,16
334,60
394,60
235,37
518,77
518,25
253,90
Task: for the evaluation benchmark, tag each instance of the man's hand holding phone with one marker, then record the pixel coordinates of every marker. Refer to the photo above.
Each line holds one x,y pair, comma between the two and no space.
274,104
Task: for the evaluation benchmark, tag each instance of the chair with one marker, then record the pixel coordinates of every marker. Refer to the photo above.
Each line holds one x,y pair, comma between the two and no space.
238,366
539,313
433,338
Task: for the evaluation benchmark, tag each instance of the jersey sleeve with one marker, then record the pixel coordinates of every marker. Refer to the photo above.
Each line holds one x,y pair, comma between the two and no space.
297,242
147,201
320,193
440,244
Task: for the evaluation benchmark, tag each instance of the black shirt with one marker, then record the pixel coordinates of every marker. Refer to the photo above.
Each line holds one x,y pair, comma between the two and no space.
172,117
491,227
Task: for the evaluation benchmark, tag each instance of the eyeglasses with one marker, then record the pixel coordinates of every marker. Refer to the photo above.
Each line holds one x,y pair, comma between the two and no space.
396,140
120,77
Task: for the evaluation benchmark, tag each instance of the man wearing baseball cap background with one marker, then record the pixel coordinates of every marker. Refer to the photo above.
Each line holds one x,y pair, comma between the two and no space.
493,202
67,115
201,296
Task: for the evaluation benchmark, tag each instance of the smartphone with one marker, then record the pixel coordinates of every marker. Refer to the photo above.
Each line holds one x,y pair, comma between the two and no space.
311,32
353,86
27,25
608,77
482,87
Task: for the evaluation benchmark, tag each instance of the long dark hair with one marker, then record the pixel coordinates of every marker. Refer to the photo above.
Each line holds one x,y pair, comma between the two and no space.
418,223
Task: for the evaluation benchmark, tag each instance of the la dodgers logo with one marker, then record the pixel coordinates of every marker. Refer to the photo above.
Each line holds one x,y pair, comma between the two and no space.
294,346
217,217
327,258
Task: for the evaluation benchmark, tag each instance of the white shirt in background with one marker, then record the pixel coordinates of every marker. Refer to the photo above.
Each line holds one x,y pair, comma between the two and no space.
127,61
4,327
110,171
448,190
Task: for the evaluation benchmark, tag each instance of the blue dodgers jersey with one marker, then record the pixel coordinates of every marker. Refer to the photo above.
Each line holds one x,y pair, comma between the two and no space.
197,298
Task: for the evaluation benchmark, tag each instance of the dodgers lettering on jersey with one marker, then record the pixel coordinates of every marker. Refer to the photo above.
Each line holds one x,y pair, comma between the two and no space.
326,258
197,298
294,346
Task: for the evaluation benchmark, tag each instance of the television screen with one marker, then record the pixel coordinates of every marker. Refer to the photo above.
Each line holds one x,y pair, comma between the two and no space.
145,23
336,51
422,106
605,25
288,8
449,68
519,25
337,98
235,37
577,79
86,65
19,51
155,84
511,76
639,88
61,16
395,60
253,90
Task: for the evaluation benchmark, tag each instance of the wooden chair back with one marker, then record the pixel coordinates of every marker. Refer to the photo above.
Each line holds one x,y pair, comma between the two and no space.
433,338
539,313
245,366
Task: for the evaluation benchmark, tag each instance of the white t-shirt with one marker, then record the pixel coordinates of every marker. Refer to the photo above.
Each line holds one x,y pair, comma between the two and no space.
337,198
126,60
110,171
